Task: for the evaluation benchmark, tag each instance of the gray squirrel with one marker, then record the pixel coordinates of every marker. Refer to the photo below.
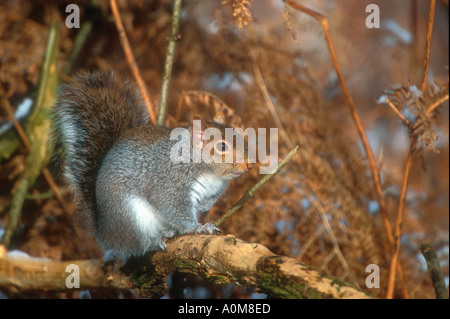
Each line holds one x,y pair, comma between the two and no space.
130,194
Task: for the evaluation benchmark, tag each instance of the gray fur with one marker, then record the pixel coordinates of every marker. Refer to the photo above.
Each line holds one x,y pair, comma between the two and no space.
131,195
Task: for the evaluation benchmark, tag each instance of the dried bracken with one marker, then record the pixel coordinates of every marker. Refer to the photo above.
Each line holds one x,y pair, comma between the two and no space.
419,110
17,71
241,11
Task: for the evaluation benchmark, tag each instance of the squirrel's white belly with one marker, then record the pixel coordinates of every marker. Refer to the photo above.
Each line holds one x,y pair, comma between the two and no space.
205,191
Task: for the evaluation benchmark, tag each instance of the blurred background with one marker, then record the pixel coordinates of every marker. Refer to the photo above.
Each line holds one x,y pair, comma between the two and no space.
322,209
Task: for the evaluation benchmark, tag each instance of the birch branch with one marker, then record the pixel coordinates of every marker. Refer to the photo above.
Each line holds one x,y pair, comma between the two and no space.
218,259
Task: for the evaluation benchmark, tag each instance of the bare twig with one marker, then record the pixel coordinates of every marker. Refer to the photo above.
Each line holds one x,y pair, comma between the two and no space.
399,220
169,62
308,243
414,26
437,103
26,142
20,131
372,161
82,36
412,146
333,238
131,60
255,188
426,57
36,158
267,99
398,113
434,269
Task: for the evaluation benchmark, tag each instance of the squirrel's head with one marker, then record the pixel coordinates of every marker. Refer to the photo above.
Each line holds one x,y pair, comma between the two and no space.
224,150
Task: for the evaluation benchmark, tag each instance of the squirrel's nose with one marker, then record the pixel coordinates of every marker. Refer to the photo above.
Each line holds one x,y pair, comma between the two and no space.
250,165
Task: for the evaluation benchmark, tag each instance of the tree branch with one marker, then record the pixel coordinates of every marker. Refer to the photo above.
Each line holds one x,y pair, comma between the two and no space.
426,57
21,274
353,111
434,269
218,259
169,62
398,224
131,60
255,188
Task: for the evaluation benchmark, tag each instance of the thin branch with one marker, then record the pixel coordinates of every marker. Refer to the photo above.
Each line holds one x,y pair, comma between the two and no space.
37,151
412,146
251,192
399,220
426,54
437,103
19,129
309,242
131,60
434,269
169,62
333,238
414,26
263,87
26,142
83,35
372,161
398,113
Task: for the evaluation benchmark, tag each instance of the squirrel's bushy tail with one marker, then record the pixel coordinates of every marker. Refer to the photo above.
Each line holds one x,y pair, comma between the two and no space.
90,115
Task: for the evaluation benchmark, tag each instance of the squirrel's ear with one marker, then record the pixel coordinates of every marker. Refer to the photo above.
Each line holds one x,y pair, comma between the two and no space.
196,134
200,118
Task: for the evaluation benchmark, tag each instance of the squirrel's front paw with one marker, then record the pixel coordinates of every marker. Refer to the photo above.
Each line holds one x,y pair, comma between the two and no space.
162,243
208,229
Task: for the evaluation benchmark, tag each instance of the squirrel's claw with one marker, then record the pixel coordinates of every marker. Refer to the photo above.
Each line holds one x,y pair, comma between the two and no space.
162,243
208,229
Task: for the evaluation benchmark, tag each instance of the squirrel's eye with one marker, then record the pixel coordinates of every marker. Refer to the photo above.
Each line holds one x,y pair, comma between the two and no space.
222,147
